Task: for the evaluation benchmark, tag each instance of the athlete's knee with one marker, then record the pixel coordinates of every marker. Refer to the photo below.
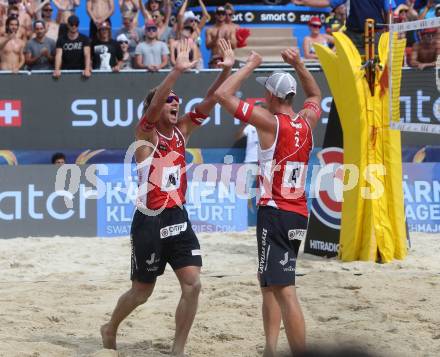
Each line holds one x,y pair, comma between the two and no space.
141,292
192,288
284,294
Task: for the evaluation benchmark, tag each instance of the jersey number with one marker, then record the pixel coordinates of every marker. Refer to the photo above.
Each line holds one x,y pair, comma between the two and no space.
294,174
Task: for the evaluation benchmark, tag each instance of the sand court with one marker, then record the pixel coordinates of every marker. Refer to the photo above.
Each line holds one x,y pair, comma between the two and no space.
56,292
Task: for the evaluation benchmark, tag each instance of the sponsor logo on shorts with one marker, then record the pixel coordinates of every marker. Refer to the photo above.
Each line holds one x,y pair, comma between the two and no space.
152,260
263,251
297,234
173,230
196,252
286,260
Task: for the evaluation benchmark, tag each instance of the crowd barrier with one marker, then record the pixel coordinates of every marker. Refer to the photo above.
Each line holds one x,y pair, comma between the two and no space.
101,203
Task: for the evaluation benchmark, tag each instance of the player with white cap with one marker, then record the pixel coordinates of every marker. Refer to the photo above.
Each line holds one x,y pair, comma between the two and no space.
285,143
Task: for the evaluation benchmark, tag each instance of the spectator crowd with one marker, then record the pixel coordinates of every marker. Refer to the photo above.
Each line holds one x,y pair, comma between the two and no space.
31,38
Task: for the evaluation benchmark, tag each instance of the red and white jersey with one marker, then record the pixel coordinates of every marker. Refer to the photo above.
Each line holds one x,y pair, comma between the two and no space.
283,167
162,176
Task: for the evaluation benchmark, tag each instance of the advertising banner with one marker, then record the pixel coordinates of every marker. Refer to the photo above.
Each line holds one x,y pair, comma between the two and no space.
95,200
421,188
212,205
101,112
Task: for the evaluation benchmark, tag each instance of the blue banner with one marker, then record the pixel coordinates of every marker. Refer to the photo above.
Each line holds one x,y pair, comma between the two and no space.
421,187
213,206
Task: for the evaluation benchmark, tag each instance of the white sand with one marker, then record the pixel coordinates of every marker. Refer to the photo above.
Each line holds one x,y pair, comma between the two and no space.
56,292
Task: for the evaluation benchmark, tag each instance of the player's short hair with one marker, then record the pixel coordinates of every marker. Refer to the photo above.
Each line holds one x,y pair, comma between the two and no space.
288,100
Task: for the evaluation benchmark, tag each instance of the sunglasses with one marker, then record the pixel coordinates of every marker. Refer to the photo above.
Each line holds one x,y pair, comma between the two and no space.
228,14
172,98
151,29
221,13
123,42
155,16
316,26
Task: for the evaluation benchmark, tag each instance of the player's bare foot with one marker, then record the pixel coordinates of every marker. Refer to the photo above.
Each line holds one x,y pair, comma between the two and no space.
108,337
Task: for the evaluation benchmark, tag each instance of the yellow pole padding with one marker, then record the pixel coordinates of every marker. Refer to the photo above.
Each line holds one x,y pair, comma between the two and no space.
373,222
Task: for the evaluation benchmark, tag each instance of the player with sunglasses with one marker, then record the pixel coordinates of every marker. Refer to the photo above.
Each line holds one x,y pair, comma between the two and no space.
161,231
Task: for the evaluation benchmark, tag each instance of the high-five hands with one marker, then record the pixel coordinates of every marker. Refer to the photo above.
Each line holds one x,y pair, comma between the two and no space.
228,56
182,61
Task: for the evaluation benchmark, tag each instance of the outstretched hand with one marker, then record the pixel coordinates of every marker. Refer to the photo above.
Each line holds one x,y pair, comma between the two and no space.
182,61
291,56
228,56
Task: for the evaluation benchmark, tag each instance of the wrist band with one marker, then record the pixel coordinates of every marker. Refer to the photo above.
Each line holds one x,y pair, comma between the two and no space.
244,111
197,117
313,107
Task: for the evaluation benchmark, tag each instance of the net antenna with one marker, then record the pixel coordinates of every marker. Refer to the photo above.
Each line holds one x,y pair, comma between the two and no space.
428,82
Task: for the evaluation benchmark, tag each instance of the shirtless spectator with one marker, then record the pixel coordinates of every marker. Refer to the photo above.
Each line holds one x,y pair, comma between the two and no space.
39,52
229,8
66,8
35,8
73,50
25,21
220,30
11,47
425,52
132,32
161,18
99,11
151,54
52,27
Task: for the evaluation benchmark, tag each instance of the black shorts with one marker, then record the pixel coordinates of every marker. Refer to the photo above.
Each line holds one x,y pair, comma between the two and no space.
279,236
158,240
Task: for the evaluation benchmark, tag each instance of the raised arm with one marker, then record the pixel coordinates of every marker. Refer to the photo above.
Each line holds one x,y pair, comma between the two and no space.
152,114
145,12
167,11
180,16
259,117
90,12
194,119
111,9
4,40
312,104
205,16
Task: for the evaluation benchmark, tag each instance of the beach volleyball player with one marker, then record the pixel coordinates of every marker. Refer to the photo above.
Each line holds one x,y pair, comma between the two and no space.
286,141
161,232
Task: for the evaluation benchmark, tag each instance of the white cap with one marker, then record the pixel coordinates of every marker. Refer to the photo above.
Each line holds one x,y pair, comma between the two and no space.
279,83
122,38
189,15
